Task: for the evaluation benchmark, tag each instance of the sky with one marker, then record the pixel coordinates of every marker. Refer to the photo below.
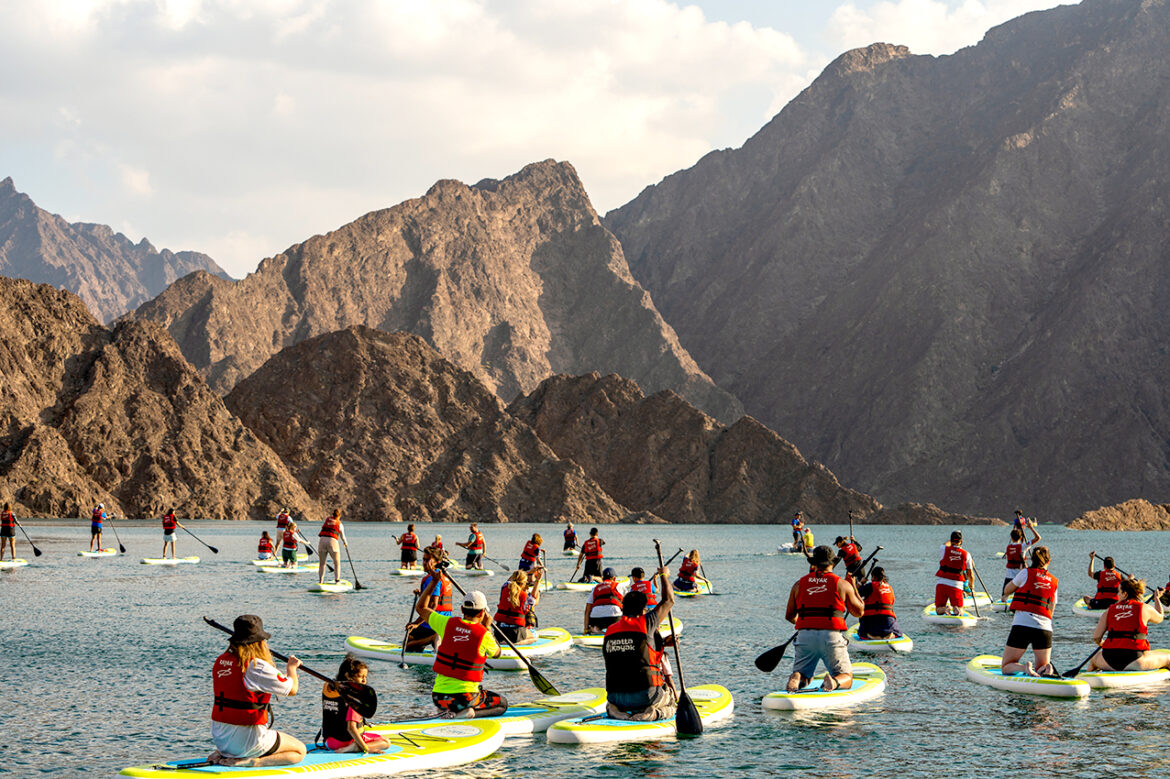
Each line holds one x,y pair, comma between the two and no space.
240,127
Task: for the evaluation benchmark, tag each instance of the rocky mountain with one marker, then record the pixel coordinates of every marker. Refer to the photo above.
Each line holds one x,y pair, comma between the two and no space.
1136,514
90,414
383,427
513,280
108,271
923,514
661,454
945,277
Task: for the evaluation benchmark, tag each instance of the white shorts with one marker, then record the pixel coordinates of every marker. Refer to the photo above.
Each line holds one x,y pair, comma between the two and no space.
243,740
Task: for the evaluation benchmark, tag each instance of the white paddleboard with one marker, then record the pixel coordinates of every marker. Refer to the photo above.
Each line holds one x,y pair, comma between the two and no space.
169,560
984,669
869,681
878,645
8,565
714,704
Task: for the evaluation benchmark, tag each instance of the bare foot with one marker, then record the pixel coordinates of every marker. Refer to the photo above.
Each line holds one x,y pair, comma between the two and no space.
828,684
1029,669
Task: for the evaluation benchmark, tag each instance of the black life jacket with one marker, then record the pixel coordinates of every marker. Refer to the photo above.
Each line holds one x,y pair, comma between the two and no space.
633,657
333,711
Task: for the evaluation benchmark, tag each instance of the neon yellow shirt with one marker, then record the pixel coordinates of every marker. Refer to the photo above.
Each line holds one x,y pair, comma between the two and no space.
445,685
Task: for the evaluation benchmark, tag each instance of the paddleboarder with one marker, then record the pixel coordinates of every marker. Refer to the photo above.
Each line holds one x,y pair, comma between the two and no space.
817,604
465,644
1108,583
96,517
850,552
419,634
603,607
639,583
408,543
797,522
264,549
1016,553
878,621
1122,632
282,519
476,548
592,555
1034,596
169,523
343,728
954,573
570,537
636,683
329,542
8,525
288,545
531,553
244,680
518,597
688,573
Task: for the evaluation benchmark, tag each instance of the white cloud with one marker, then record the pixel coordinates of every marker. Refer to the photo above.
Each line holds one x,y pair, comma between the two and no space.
925,26
136,181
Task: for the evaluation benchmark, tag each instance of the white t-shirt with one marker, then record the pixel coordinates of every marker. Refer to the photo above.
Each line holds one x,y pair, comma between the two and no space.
958,585
252,740
600,612
1027,618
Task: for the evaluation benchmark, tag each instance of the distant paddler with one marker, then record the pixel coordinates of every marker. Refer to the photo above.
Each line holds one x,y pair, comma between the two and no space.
288,545
954,571
8,525
1017,552
264,549
636,681
531,553
570,537
408,543
878,621
592,555
798,530
329,541
603,607
518,597
476,547
1034,594
419,634
849,551
244,680
688,573
169,524
465,644
96,518
817,605
1122,632
639,583
1108,583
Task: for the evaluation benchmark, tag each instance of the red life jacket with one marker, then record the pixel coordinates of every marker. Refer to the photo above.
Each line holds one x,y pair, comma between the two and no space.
281,520
265,546
570,533
686,569
1108,585
531,552
458,656
330,528
645,586
953,564
818,604
592,548
409,542
234,703
169,522
1014,554
97,516
508,614
851,555
476,543
8,520
880,600
606,594
444,593
632,664
1126,626
1037,594
289,540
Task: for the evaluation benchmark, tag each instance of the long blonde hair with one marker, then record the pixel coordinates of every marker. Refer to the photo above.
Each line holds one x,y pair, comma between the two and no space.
694,556
517,583
246,653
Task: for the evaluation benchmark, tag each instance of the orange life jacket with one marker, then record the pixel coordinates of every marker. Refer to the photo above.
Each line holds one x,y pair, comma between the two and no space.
330,528
508,614
234,703
953,564
818,604
1126,626
592,548
409,542
645,586
459,655
1108,585
607,594
531,552
880,600
289,540
265,546
1037,595
686,569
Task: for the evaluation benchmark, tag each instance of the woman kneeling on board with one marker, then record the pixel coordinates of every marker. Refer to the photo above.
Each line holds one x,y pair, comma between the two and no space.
1123,628
244,681
1033,594
817,604
878,621
517,599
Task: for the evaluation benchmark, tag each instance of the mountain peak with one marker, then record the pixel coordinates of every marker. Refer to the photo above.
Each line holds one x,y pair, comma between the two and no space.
866,59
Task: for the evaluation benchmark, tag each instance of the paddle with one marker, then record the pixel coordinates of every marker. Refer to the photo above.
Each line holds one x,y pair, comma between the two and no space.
768,661
36,552
981,584
686,717
121,548
575,569
200,540
406,635
1077,670
362,697
851,525
356,584
676,554
497,562
861,567
710,585
542,684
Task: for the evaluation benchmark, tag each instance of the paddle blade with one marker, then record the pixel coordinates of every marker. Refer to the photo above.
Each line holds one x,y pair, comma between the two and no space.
213,549
542,684
768,661
121,548
361,697
686,717
37,552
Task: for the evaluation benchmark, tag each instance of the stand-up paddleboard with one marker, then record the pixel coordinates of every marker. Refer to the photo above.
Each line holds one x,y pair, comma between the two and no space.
8,565
701,588
524,719
964,619
869,681
107,552
570,552
413,747
595,640
549,641
587,586
1112,680
169,560
790,548
878,645
998,556
999,604
327,586
981,598
290,570
407,572
984,669
1081,609
714,703
276,560
479,572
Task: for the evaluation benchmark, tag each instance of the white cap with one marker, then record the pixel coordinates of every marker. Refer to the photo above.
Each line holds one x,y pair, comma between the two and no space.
475,600
101,505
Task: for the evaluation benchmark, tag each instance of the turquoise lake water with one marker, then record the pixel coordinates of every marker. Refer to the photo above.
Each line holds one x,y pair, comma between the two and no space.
107,662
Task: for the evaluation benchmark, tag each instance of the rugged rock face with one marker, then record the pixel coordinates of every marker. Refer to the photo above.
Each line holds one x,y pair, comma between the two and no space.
89,414
512,280
383,427
1135,514
661,454
923,514
945,278
110,273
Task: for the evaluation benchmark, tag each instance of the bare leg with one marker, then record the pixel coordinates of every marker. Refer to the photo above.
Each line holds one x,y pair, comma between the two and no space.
289,751
1044,661
1151,659
1011,662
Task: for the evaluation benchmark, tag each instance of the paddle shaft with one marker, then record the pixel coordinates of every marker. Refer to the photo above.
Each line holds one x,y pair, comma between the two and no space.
980,578
406,635
356,584
36,552
851,526
121,548
686,717
676,554
200,540
275,654
497,562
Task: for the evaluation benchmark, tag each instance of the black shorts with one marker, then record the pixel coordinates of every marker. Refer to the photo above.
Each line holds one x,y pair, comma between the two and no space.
1021,637
95,530
473,560
877,625
7,532
513,632
420,632
593,568
410,555
1099,603
1119,659
684,585
601,623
